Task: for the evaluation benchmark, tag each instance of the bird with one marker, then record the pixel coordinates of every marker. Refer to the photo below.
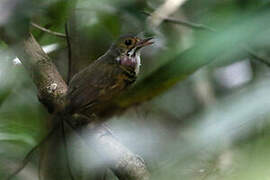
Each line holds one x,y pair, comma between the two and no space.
107,76
97,83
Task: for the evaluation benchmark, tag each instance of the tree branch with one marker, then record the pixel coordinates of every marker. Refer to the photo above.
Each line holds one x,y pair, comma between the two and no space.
125,164
51,86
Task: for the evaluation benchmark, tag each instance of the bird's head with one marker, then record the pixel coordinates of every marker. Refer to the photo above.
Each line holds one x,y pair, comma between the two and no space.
128,50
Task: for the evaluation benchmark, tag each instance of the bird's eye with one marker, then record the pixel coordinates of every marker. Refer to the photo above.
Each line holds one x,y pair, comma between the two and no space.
128,42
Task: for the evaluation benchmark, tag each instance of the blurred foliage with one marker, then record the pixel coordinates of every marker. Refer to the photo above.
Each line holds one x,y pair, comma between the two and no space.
22,116
212,125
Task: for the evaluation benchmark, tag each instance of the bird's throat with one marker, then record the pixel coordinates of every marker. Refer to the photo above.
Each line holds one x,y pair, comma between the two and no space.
130,62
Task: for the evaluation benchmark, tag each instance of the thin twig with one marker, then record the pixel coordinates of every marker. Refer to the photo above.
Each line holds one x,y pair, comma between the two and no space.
204,27
257,57
69,53
184,23
165,10
58,34
66,150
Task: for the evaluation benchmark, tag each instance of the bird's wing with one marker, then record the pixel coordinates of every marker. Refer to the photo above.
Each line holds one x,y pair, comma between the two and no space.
87,86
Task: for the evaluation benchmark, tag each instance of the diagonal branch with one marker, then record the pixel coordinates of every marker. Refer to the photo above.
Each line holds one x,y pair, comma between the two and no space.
183,23
61,35
125,164
257,57
51,86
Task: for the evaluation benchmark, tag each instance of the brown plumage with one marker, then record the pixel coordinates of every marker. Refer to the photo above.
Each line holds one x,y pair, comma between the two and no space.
106,77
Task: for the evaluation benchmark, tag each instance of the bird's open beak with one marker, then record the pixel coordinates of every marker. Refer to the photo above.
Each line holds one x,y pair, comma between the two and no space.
145,42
